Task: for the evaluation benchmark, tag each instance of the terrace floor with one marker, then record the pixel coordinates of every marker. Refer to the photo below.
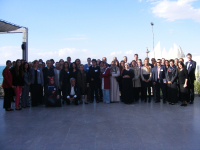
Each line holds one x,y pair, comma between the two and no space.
114,126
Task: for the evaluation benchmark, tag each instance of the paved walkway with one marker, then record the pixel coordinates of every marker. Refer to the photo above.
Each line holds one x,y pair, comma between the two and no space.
101,126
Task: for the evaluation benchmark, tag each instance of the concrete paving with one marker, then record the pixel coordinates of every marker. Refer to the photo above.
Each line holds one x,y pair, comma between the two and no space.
114,126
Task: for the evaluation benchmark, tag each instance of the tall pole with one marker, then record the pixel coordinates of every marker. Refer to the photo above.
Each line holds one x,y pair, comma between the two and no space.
153,37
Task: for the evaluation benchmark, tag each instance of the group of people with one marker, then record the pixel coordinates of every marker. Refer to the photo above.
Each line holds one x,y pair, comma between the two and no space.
68,82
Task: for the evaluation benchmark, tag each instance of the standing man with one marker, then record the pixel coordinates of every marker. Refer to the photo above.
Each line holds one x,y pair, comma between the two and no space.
87,66
163,62
191,67
94,79
125,59
159,81
69,62
136,57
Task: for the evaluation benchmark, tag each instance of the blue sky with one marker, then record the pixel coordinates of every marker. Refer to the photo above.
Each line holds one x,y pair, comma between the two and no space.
91,28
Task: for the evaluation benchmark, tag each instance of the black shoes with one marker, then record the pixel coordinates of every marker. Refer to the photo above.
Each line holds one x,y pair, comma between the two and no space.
18,108
9,109
191,102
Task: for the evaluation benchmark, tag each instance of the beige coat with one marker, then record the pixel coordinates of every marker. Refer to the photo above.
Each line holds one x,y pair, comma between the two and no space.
136,83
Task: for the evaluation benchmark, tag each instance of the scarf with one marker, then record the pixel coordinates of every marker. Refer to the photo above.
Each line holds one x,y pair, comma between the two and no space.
114,69
50,79
170,69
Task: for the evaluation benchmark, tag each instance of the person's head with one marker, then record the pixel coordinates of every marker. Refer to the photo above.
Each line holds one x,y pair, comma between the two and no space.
74,65
122,64
57,65
72,81
8,63
176,61
115,58
43,65
22,61
89,60
181,65
13,63
104,59
139,62
133,63
40,64
113,63
136,57
166,63
117,63
98,61
101,64
26,66
81,67
18,62
52,62
181,59
40,60
51,81
35,63
30,64
48,62
61,61
189,56
153,61
158,62
69,59
77,62
125,59
163,61
171,62
126,66
66,65
105,65
146,62
94,62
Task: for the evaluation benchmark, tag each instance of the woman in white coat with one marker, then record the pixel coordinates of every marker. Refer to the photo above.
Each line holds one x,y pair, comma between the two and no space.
114,85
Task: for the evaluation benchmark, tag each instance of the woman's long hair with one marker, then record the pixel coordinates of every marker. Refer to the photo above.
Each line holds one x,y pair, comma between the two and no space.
147,66
24,66
19,70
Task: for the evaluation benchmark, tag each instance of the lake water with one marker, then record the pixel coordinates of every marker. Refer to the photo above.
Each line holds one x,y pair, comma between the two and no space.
1,70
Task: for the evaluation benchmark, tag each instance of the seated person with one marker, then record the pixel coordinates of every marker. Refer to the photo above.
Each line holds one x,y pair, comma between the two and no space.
72,92
52,97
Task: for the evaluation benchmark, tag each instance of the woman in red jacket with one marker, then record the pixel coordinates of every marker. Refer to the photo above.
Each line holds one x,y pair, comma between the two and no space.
7,86
105,84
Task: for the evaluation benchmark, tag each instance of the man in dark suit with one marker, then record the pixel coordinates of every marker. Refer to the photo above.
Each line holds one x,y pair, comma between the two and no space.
158,75
72,92
191,67
140,65
69,62
94,80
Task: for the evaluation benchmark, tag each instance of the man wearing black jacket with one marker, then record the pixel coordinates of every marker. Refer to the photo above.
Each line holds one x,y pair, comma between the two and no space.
72,92
94,80
191,67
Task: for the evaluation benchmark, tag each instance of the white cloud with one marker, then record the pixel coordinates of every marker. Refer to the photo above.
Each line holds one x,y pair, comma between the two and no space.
130,52
175,10
70,39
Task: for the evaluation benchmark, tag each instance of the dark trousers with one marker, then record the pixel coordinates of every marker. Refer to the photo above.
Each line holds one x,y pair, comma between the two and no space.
160,85
172,93
36,96
7,97
190,92
75,99
100,92
145,89
136,91
94,89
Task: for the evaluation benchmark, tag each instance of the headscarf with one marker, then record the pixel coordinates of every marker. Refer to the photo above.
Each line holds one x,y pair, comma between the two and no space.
50,79
128,66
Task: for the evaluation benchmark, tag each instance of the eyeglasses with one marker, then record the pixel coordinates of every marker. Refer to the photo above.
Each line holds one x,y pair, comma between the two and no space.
158,62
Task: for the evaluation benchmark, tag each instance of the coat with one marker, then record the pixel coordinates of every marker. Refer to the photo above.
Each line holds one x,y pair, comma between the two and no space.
82,81
105,81
137,82
40,79
7,78
174,76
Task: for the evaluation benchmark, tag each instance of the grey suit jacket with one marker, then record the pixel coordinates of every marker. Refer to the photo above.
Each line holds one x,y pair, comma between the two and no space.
57,78
40,79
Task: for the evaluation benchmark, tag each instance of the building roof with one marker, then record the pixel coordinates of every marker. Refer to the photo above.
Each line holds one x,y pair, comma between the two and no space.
6,26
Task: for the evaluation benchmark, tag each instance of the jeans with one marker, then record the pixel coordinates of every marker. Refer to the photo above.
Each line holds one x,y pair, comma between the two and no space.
106,96
18,91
